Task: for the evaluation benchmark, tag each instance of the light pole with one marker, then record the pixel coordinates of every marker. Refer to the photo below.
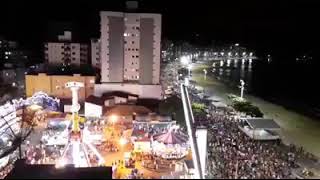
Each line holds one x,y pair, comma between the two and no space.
205,73
189,69
242,88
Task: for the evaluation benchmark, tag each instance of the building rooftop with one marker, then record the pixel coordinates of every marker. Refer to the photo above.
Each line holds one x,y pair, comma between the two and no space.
118,94
126,110
189,164
261,123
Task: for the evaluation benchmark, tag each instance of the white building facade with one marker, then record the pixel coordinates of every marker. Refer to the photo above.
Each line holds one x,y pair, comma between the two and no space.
66,52
95,53
130,47
130,53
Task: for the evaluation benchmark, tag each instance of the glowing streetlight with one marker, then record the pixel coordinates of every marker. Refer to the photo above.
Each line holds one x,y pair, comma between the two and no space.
122,141
113,118
221,63
205,73
242,88
229,54
184,60
189,69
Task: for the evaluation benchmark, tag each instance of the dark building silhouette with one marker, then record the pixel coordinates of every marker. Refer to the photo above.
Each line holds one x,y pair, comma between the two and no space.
22,170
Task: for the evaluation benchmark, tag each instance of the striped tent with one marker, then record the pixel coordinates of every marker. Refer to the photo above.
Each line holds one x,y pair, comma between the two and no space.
171,137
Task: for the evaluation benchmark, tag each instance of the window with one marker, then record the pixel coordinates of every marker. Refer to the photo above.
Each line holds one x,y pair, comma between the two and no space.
137,56
125,42
137,49
137,28
132,56
132,42
129,49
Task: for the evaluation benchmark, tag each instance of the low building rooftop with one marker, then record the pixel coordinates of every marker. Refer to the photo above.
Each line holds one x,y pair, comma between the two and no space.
126,110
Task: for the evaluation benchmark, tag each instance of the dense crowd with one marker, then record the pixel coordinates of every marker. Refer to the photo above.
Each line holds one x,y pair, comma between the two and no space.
235,155
232,154
5,170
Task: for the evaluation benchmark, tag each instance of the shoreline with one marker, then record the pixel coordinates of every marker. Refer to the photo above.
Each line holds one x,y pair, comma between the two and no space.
297,128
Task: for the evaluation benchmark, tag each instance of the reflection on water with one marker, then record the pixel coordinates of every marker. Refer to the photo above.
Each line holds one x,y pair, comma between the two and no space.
232,70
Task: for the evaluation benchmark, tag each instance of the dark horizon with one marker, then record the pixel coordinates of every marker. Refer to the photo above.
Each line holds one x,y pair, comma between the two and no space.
286,28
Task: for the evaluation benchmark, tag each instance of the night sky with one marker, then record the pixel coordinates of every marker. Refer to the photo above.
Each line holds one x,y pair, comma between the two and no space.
285,28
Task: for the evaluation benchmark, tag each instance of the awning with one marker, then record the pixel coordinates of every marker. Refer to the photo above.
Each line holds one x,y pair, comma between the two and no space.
261,123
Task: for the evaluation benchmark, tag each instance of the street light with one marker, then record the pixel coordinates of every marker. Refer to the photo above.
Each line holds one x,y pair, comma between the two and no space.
242,88
122,141
184,60
189,69
113,119
205,73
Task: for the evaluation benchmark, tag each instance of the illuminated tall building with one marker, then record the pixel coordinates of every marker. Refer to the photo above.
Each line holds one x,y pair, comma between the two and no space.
130,53
130,47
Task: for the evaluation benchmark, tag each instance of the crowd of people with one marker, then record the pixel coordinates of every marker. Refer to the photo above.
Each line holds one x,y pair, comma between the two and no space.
232,154
6,169
108,146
